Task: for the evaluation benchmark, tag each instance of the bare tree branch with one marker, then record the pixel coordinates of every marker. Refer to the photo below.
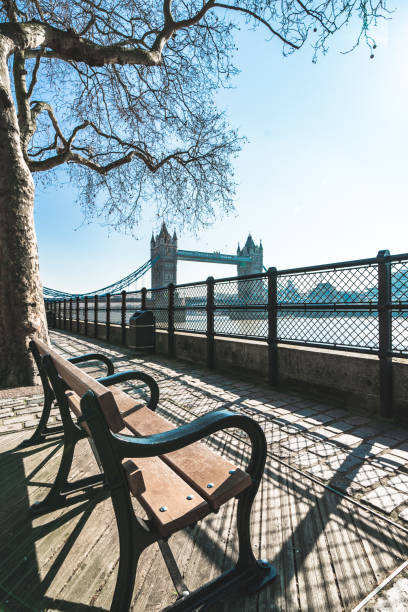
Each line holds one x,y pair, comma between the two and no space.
246,11
35,73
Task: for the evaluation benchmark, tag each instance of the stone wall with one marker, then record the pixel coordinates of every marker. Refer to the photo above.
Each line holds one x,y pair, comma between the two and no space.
350,378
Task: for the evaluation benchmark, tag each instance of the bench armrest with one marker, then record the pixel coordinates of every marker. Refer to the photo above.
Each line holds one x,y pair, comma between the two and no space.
94,357
121,377
166,442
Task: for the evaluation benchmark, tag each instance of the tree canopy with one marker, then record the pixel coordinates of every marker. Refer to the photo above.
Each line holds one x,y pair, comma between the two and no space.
123,92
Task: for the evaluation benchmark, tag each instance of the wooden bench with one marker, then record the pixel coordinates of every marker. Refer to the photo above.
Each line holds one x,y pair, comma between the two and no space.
175,478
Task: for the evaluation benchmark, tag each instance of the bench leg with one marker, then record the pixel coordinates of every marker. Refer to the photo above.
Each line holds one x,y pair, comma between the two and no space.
134,537
173,569
247,577
259,572
42,431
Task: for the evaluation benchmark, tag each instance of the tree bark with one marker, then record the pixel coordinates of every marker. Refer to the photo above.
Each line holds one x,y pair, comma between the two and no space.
22,312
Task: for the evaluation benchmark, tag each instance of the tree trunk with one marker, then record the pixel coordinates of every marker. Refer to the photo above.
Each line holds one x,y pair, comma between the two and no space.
22,312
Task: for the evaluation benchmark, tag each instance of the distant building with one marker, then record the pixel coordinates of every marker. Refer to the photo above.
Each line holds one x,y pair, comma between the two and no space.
289,294
399,284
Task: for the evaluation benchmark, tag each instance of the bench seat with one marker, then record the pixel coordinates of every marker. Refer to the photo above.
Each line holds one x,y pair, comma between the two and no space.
155,486
185,472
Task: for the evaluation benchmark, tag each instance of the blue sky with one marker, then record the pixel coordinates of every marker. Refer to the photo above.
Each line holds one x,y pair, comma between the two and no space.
324,176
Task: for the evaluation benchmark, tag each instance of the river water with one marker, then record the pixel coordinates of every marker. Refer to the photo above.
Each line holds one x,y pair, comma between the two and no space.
357,330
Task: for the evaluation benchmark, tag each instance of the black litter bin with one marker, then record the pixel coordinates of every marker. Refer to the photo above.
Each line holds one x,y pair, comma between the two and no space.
142,328
51,319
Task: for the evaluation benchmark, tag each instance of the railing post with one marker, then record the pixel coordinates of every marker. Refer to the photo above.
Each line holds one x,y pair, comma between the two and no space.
77,315
123,318
70,314
170,321
108,313
272,276
144,291
59,314
210,322
95,316
86,316
65,313
385,334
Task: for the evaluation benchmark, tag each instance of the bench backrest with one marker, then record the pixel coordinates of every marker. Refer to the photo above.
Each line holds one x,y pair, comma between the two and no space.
80,382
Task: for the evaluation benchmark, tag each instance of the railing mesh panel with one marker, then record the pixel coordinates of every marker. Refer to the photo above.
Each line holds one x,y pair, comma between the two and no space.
336,286
348,329
399,281
191,296
253,291
116,309
194,320
243,323
162,319
158,301
81,310
102,312
399,326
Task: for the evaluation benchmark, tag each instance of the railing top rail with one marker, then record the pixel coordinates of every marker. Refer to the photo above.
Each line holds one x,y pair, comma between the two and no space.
399,257
240,278
195,284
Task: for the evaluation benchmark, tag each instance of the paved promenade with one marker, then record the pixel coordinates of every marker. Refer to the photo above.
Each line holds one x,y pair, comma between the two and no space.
332,512
363,457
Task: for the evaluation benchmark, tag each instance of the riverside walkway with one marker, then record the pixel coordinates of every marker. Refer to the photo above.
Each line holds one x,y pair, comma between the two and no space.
331,513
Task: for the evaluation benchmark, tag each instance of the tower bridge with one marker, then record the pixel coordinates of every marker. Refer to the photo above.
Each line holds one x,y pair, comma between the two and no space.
164,255
164,249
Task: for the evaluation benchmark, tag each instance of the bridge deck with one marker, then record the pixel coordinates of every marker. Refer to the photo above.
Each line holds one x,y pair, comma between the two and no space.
329,552
221,258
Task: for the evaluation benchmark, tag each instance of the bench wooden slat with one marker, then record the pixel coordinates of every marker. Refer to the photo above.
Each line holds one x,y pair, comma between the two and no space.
80,382
43,348
155,485
126,403
196,464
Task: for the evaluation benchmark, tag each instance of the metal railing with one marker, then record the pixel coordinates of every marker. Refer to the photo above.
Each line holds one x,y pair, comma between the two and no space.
359,306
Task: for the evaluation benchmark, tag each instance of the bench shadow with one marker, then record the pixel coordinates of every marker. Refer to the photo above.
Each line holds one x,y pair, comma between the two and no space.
21,585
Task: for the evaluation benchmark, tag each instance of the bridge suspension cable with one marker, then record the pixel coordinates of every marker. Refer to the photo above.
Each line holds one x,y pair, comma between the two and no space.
113,288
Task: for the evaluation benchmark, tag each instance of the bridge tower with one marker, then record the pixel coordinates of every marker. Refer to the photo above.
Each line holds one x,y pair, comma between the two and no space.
247,292
164,270
255,266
